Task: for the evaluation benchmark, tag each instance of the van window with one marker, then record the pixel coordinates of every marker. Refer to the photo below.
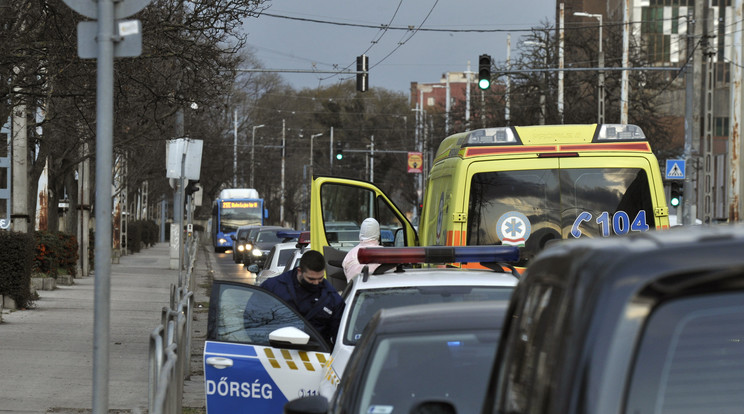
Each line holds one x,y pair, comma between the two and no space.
531,351
691,358
531,207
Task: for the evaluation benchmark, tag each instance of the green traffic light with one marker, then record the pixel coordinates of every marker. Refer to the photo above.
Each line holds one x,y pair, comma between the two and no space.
484,84
674,201
339,156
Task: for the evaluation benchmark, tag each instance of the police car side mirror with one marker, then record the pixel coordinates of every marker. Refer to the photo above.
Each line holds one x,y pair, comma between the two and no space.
232,236
253,268
290,337
314,404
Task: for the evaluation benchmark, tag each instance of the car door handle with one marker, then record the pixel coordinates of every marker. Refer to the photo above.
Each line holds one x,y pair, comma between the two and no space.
220,362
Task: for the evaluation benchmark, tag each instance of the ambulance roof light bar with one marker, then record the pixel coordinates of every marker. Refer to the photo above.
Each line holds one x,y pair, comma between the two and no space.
438,254
492,136
620,132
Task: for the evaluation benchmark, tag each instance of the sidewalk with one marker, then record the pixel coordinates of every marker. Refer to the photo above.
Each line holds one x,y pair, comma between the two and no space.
46,353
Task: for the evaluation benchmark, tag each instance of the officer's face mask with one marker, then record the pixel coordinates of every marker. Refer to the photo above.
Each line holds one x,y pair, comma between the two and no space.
311,280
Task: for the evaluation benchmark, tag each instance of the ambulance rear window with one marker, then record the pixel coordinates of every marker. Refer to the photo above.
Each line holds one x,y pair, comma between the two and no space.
531,207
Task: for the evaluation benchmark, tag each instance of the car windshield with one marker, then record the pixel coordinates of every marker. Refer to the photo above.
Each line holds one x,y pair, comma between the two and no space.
368,301
529,208
268,237
453,366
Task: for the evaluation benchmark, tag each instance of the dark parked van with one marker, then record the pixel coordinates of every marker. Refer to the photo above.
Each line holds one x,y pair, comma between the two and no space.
651,323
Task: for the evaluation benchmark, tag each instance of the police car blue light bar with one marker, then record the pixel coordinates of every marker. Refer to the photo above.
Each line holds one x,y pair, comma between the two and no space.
288,234
438,254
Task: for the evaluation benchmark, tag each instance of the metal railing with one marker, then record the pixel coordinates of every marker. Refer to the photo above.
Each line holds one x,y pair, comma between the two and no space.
170,344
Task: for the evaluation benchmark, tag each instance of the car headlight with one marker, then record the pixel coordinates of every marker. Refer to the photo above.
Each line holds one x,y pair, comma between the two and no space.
256,252
223,241
241,247
248,246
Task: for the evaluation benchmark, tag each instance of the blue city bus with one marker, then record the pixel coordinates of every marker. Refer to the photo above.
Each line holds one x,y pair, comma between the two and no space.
233,208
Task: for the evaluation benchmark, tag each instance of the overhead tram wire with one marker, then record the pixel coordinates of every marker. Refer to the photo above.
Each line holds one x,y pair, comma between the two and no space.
374,42
401,42
429,29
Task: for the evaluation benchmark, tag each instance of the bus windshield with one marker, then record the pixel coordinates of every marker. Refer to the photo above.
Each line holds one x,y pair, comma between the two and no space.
531,207
235,214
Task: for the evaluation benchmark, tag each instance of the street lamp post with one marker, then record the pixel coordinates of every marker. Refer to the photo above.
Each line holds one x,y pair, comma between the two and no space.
253,150
600,64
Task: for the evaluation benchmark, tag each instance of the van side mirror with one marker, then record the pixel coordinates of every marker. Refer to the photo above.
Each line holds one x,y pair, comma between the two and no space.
314,404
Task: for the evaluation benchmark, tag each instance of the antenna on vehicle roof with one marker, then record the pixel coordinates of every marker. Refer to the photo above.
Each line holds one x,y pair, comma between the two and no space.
365,273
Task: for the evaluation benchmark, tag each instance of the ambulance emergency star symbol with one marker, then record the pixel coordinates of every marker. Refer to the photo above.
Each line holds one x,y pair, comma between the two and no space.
513,227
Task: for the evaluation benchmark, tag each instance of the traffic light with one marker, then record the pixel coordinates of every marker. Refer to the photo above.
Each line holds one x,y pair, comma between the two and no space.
676,192
362,78
484,72
192,187
339,151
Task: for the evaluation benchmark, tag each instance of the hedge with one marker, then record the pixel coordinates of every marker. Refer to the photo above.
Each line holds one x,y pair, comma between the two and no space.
16,260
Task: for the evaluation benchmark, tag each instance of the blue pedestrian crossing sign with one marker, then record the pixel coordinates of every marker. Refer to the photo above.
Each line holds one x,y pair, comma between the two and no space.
675,169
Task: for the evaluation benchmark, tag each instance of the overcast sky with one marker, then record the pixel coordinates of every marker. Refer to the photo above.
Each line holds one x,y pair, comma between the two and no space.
396,57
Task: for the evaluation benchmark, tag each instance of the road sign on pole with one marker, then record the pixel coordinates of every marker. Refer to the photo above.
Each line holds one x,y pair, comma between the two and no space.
128,33
122,9
675,169
105,36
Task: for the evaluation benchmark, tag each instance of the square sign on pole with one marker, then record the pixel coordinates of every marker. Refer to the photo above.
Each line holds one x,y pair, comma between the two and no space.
128,43
675,169
175,152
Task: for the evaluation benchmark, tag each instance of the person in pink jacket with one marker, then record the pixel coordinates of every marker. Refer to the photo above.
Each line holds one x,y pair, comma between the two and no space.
369,236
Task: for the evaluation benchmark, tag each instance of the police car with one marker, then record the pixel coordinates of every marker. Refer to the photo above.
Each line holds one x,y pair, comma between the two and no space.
394,285
261,353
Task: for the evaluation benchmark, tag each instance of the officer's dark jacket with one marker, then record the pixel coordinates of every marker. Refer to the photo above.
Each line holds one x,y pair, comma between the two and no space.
322,309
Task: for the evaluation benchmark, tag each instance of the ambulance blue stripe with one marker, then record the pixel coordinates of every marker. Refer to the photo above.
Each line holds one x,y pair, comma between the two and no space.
228,349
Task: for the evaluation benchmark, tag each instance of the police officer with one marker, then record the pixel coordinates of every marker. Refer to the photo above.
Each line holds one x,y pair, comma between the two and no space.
306,289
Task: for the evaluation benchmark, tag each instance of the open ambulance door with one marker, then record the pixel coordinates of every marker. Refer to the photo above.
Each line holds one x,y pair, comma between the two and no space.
337,208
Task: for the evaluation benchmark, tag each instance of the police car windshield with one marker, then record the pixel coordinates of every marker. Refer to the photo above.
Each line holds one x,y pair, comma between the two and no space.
531,207
368,301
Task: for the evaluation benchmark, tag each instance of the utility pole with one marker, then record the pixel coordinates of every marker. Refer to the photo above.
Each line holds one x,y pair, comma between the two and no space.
331,152
235,148
687,204
281,204
560,65
708,177
735,161
507,96
84,208
626,63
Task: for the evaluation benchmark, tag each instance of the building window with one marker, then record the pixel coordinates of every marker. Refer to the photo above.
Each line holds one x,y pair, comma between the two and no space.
430,101
653,20
720,126
676,2
657,47
723,72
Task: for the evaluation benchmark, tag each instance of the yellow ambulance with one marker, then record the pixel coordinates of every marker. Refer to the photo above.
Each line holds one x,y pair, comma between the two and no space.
522,186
